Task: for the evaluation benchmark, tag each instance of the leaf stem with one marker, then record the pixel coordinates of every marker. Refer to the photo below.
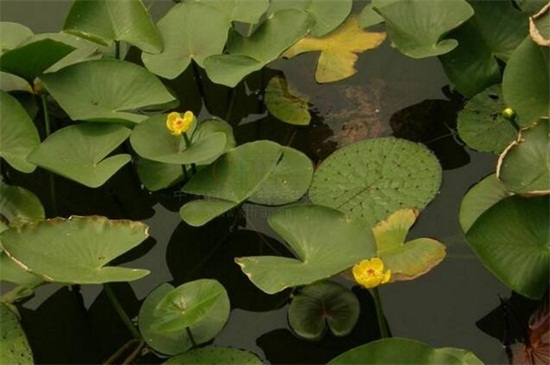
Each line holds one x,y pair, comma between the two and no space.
117,50
193,343
48,128
122,314
382,325
197,77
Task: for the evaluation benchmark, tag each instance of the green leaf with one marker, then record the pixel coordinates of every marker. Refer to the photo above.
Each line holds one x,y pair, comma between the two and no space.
105,90
321,304
13,34
105,21
512,240
215,356
11,272
495,30
417,26
197,213
371,179
9,82
327,14
531,6
79,152
479,198
19,206
190,31
524,166
323,240
15,348
18,135
266,44
284,104
157,175
75,250
481,123
369,16
404,351
190,304
246,11
526,82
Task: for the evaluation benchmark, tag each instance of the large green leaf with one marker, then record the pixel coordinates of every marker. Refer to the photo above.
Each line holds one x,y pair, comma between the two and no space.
495,30
105,21
18,135
405,352
524,166
526,82
482,125
15,348
75,250
246,11
19,206
249,54
324,241
79,152
417,26
13,34
512,239
284,104
105,90
374,178
215,356
323,304
190,32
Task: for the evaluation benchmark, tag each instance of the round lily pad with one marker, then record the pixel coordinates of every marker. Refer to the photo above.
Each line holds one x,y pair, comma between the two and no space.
215,356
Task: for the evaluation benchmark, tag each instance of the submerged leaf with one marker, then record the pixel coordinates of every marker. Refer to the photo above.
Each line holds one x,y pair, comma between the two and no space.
284,104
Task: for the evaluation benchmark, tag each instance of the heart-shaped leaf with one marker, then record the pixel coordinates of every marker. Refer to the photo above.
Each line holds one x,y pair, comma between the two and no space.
245,11
18,135
13,34
323,304
19,206
75,250
284,104
324,241
105,21
339,50
215,356
15,348
417,26
157,175
105,90
190,31
79,152
371,179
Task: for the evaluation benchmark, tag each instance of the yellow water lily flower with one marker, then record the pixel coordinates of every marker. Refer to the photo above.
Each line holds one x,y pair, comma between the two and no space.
370,273
178,124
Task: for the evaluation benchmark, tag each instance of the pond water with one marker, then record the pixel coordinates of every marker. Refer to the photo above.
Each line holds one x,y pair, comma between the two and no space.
390,94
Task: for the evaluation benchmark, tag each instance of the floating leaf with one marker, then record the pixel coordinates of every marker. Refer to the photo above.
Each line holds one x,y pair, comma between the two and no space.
190,31
339,50
526,82
105,90
417,26
157,175
246,11
18,135
524,166
511,240
79,152
371,179
408,260
324,241
404,351
215,356
323,304
13,34
369,16
19,206
539,26
479,198
75,250
15,348
9,82
481,123
284,104
105,21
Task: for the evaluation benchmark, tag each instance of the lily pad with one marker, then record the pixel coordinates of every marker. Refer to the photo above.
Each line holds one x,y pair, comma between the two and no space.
539,27
9,82
524,166
339,50
15,348
284,104
157,175
18,135
512,240
479,198
404,351
19,206
190,31
371,179
105,90
417,26
323,304
105,21
324,241
369,16
79,152
481,123
408,260
13,34
215,356
526,82
75,250
246,11
197,213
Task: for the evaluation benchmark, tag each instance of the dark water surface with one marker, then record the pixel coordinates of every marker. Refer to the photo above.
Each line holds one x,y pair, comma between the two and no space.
390,95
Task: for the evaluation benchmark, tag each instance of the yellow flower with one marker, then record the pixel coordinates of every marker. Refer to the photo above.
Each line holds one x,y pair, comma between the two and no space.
370,273
177,124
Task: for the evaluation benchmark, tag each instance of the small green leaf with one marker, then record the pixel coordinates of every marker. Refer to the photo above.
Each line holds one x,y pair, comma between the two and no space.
246,11
197,213
369,17
15,348
19,206
215,356
157,175
13,34
284,104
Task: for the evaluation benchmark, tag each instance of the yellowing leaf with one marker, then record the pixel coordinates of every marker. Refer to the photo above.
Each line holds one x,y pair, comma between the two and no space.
339,50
